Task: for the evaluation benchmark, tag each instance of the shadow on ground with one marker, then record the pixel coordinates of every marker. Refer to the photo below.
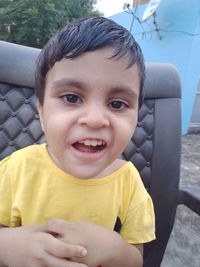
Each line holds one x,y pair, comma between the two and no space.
183,249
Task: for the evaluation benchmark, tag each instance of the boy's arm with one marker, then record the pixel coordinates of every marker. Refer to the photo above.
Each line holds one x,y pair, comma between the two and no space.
33,246
127,255
105,247
1,264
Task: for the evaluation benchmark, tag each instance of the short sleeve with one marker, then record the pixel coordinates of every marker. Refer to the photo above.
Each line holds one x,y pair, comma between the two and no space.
5,193
139,223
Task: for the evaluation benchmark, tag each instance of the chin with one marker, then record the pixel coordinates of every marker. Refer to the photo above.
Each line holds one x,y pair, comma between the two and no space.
87,176
84,174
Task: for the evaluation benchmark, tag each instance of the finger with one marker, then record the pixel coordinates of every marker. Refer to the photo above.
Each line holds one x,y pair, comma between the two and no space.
58,226
35,227
52,261
40,227
58,248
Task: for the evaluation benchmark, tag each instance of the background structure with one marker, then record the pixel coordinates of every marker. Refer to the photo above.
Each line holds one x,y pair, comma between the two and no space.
171,35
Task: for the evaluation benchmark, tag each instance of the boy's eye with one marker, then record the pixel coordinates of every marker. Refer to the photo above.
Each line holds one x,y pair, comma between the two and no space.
118,104
72,98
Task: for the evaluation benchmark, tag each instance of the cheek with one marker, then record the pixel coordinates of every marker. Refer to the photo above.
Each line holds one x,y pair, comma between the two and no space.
51,128
126,126
125,132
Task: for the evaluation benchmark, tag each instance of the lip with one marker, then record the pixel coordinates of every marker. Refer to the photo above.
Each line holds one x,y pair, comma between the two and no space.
81,139
91,138
86,155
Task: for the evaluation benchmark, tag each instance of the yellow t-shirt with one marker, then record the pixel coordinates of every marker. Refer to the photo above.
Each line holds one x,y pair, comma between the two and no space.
33,190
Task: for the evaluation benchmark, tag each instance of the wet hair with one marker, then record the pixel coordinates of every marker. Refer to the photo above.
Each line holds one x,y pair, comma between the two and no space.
86,35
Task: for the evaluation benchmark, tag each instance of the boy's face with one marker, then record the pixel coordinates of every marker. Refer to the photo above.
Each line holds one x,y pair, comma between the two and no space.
90,111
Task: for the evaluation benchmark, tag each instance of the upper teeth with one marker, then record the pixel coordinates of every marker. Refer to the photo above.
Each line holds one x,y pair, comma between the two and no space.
89,142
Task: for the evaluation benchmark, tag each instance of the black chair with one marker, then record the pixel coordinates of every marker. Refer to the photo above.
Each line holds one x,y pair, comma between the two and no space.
155,147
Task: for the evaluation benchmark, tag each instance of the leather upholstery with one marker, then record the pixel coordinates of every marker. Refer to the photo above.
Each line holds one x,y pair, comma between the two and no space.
140,148
154,148
19,120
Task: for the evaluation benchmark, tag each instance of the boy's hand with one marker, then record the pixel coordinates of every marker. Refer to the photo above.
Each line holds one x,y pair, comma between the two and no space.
33,246
99,241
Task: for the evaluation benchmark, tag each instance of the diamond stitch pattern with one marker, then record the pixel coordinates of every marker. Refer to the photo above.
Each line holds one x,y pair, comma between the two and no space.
19,119
140,148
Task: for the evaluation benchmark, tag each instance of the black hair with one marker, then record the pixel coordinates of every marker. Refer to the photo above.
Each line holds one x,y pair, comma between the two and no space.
84,35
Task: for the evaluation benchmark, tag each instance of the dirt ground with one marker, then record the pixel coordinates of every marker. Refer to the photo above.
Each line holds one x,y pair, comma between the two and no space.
183,249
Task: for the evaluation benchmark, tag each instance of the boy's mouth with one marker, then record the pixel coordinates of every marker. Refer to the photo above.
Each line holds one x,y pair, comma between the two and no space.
90,145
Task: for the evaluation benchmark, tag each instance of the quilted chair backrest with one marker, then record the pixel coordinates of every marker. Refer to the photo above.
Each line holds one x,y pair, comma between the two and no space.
19,120
154,148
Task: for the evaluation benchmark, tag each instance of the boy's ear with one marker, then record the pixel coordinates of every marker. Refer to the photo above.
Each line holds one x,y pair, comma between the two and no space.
40,112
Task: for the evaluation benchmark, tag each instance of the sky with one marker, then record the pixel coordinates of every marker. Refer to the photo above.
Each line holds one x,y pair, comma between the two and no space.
111,7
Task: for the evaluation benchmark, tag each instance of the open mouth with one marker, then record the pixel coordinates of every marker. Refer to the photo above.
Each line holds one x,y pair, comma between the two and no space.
89,145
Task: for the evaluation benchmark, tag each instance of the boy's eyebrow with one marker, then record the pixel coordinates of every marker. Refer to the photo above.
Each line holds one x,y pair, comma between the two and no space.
118,89
124,89
65,81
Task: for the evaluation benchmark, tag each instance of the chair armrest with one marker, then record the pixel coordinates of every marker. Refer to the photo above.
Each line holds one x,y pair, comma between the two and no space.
190,197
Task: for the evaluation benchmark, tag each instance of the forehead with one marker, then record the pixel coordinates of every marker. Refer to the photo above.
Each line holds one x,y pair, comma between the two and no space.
97,67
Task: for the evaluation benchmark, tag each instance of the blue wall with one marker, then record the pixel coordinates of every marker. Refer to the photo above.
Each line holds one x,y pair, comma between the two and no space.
177,21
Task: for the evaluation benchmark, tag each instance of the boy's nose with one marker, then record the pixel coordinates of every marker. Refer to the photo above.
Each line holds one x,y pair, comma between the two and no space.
94,117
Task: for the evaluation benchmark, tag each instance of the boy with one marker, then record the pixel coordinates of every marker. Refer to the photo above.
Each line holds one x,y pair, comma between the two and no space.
89,80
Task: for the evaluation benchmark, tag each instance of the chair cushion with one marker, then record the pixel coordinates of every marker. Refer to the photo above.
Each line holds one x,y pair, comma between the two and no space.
19,120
